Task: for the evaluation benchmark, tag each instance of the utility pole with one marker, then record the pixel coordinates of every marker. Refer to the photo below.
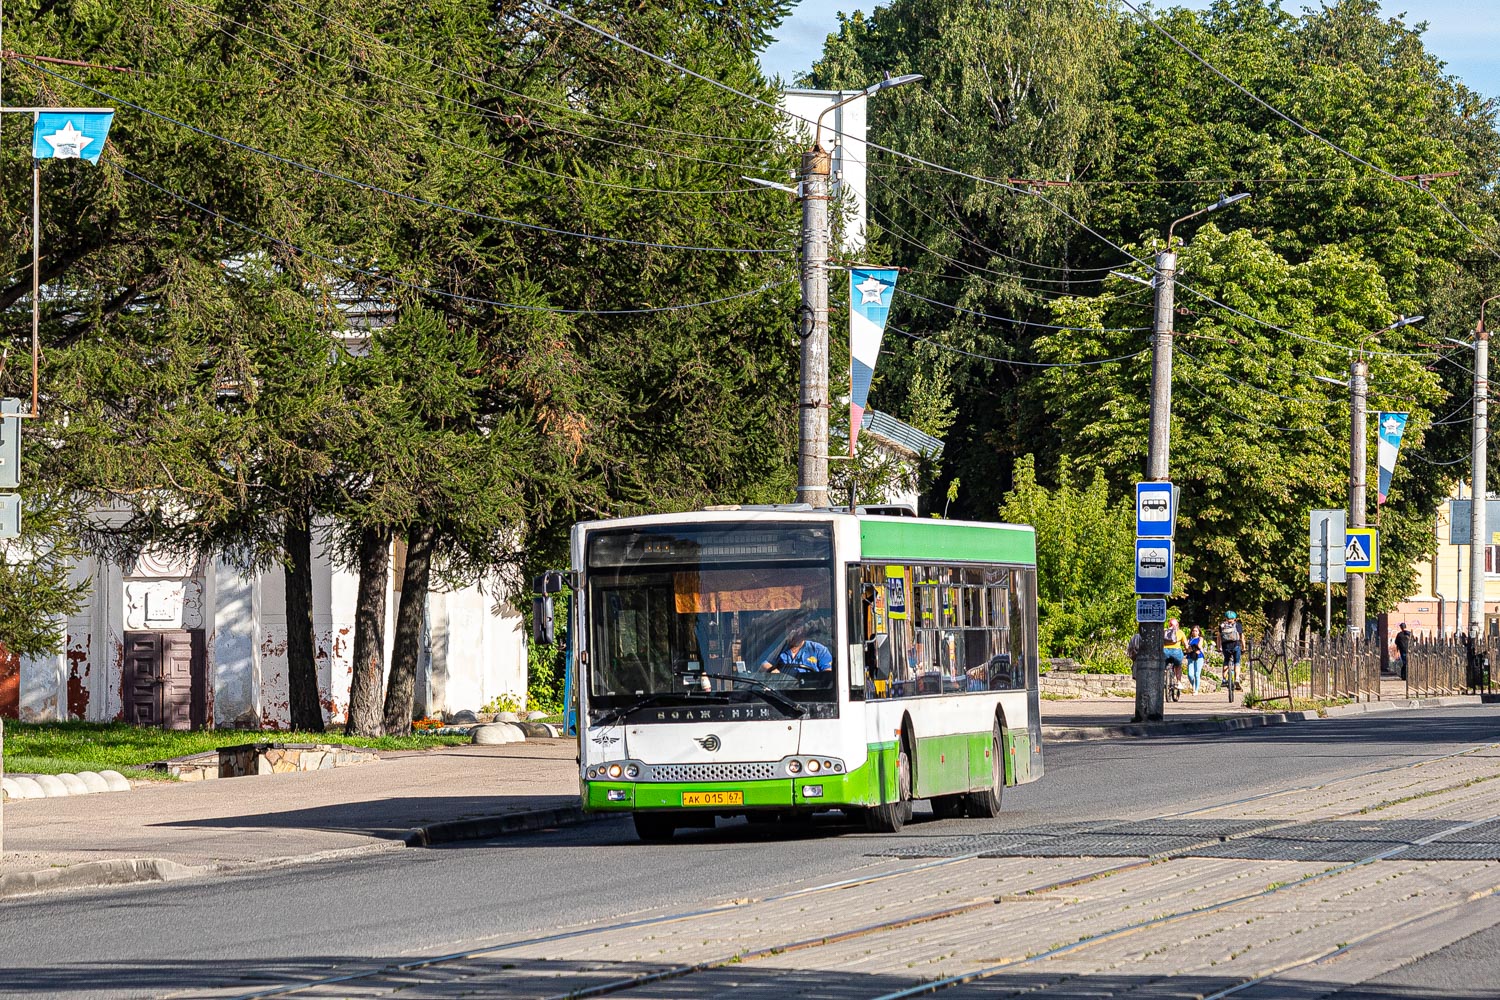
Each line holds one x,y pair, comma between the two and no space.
812,322
812,327
1357,389
1478,536
1150,664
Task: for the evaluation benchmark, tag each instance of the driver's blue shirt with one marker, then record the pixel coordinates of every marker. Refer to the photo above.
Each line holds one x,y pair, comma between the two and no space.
811,656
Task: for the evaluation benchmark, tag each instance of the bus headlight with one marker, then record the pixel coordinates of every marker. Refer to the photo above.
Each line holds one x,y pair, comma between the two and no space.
615,770
794,766
616,794
631,771
813,767
812,791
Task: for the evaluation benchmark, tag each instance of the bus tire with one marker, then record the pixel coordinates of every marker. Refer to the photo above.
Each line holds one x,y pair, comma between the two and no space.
655,828
890,817
985,803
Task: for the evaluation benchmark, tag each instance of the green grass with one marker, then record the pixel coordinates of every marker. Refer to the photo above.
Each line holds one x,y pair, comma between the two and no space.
58,747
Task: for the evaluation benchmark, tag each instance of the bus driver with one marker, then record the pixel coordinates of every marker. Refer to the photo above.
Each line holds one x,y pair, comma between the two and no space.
801,653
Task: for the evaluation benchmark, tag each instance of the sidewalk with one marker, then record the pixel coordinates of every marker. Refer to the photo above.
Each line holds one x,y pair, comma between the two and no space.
167,830
203,827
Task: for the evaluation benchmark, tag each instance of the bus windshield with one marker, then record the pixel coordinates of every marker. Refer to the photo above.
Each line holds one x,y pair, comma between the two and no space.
712,616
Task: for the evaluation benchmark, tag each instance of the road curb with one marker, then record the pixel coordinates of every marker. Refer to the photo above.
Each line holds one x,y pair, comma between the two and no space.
97,874
1139,730
485,827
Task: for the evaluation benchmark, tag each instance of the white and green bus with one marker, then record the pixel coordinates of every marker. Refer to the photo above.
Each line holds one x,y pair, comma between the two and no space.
916,679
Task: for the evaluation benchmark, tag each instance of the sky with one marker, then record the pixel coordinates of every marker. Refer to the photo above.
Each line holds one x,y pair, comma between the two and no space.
1463,33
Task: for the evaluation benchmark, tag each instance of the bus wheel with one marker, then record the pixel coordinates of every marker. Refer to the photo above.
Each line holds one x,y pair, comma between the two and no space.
655,828
985,803
890,817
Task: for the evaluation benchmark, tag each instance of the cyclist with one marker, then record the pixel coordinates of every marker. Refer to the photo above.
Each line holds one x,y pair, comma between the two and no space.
1230,642
1175,649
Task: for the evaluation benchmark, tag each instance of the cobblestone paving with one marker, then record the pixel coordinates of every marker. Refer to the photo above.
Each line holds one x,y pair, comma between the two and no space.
1071,910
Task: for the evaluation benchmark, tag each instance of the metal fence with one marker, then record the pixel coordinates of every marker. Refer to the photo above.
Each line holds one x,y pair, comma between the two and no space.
1438,666
1312,668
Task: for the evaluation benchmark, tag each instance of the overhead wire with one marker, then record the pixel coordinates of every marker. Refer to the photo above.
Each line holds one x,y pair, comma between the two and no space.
387,278
1013,361
414,199
485,154
1201,60
1004,185
532,98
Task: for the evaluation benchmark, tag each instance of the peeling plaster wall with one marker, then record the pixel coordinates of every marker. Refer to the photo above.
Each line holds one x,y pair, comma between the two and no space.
469,655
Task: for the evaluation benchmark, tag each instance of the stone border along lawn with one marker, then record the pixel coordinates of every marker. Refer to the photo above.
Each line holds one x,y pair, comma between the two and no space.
64,747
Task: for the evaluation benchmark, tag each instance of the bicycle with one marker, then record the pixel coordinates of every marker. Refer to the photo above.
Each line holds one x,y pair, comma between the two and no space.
1231,673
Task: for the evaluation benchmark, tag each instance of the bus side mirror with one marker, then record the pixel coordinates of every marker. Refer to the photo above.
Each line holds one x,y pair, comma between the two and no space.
543,629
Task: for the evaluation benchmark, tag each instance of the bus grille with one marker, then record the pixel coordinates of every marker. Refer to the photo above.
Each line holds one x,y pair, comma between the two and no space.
711,772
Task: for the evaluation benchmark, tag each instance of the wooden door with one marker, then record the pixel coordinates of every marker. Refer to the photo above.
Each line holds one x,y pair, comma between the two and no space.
166,679
141,685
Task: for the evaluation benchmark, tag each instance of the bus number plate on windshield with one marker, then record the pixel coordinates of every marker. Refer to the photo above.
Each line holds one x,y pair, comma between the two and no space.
713,798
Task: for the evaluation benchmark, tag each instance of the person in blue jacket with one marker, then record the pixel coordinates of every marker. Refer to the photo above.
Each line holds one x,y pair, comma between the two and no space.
801,653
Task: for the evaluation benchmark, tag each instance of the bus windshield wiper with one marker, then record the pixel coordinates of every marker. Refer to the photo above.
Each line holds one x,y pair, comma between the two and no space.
761,688
616,714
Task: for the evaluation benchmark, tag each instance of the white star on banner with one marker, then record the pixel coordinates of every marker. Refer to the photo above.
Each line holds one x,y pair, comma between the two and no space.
67,142
1391,425
871,290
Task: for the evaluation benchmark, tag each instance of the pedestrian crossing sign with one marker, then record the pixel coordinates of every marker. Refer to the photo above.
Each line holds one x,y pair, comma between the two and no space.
1362,550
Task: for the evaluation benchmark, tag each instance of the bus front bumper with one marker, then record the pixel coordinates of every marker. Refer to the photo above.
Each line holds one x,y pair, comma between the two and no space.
825,791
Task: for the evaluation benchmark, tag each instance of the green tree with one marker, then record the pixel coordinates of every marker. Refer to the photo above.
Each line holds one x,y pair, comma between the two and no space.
1085,566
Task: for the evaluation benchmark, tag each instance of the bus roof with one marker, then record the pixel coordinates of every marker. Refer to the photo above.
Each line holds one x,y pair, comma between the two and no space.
906,539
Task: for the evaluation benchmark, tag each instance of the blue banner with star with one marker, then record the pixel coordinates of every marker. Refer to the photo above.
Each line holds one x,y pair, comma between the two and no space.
70,135
870,291
1391,426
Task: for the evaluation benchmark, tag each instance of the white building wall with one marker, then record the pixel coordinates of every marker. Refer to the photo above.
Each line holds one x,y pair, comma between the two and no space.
470,655
844,136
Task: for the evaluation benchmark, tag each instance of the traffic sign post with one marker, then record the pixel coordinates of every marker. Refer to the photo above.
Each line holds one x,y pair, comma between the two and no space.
1153,566
10,443
1155,510
1362,550
1151,609
1325,559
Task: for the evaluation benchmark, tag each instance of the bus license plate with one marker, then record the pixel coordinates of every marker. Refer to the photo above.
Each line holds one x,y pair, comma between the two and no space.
713,798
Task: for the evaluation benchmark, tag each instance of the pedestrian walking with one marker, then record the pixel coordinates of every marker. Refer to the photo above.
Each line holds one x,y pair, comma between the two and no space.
1403,645
1174,647
1197,652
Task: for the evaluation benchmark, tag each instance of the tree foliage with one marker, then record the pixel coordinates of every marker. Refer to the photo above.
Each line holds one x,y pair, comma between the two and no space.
372,269
1085,566
1090,130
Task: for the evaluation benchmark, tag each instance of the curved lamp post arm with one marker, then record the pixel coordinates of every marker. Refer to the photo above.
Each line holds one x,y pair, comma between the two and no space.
874,88
1223,202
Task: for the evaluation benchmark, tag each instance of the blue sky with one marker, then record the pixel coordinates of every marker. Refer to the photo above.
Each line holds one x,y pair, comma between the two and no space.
1463,33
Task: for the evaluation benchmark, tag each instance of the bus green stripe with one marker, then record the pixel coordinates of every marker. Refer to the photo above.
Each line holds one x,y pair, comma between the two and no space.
914,540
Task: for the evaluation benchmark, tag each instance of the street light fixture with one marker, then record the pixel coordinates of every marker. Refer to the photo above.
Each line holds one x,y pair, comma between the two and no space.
817,164
1223,202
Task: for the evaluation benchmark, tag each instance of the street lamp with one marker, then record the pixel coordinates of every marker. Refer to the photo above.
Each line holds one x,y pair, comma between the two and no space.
1479,475
1358,369
812,448
1150,663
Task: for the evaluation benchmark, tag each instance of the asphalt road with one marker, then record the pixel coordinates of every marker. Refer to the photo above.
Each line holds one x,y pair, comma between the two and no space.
316,920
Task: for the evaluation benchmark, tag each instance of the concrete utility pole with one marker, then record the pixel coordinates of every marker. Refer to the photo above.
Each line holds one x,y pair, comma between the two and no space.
812,323
1150,663
812,327
1478,529
1357,389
